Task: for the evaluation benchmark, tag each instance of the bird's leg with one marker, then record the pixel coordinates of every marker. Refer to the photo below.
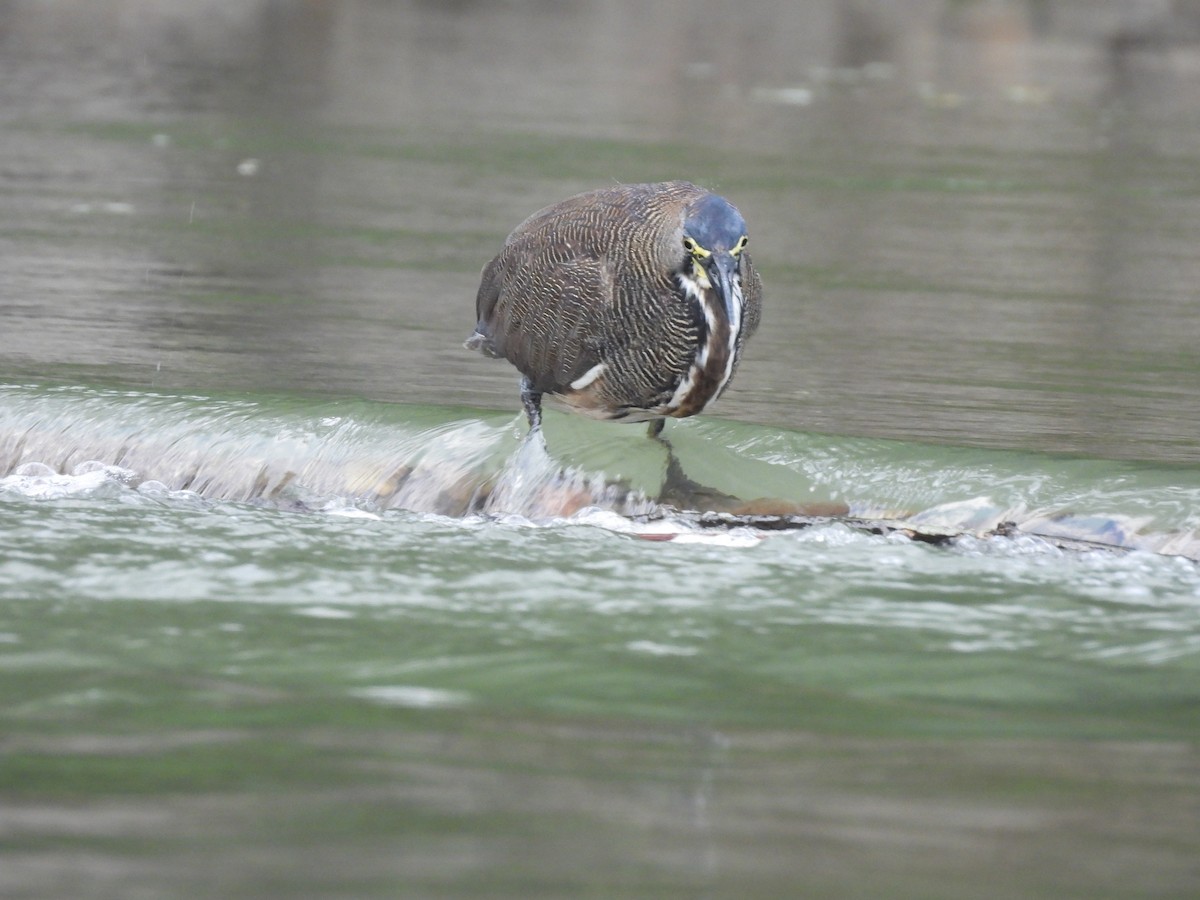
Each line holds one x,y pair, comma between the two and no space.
656,428
532,401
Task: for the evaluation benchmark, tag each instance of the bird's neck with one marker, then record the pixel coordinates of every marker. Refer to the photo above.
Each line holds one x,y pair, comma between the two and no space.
717,345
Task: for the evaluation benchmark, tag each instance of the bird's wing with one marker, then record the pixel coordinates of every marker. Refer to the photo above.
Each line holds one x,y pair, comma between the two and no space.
540,308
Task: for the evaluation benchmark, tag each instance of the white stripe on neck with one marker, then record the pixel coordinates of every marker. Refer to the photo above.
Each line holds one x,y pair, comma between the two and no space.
703,294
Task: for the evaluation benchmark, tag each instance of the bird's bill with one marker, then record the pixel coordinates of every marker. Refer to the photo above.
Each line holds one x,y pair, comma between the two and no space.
722,270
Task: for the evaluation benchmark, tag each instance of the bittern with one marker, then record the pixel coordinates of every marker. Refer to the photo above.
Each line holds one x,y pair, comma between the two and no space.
631,302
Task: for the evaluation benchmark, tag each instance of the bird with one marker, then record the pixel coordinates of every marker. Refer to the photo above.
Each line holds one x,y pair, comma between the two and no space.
630,303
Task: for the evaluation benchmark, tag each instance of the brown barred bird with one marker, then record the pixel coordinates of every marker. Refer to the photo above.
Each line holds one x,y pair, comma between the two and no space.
631,302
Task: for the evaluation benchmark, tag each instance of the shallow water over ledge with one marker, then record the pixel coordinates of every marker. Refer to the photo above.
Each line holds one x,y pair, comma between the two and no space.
372,457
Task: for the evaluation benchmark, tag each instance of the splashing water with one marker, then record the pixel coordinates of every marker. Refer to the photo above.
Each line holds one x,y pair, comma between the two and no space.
62,442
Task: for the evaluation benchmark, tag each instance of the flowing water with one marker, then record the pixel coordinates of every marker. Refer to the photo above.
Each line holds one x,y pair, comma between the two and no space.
290,607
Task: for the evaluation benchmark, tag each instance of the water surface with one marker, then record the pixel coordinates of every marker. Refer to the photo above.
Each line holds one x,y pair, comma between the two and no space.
287,608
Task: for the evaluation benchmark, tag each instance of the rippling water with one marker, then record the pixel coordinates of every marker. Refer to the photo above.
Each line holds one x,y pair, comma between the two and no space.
288,607
217,626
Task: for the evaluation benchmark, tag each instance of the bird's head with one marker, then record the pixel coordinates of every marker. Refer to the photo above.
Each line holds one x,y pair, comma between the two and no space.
714,236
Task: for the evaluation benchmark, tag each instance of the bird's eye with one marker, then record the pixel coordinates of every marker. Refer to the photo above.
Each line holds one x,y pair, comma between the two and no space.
689,245
740,245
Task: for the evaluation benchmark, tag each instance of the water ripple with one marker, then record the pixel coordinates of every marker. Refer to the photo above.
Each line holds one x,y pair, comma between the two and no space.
117,526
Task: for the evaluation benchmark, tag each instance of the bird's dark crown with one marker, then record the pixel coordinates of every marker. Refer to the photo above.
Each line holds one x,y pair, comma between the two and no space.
713,223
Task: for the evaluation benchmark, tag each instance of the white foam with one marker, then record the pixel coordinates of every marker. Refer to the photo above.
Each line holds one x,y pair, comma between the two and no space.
324,612
654,648
413,696
37,481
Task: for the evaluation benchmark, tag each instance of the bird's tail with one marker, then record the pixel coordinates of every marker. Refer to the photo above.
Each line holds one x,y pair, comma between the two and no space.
481,341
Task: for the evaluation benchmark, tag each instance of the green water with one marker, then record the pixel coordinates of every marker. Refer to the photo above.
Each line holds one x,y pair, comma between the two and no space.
205,696
288,609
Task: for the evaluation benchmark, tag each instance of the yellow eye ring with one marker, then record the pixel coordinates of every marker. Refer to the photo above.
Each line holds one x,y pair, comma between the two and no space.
740,245
695,249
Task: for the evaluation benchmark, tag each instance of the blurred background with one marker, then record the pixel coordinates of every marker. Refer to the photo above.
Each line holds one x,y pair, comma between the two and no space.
978,221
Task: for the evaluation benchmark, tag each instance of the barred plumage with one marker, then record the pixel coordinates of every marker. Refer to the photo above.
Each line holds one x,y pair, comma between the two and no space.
631,302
